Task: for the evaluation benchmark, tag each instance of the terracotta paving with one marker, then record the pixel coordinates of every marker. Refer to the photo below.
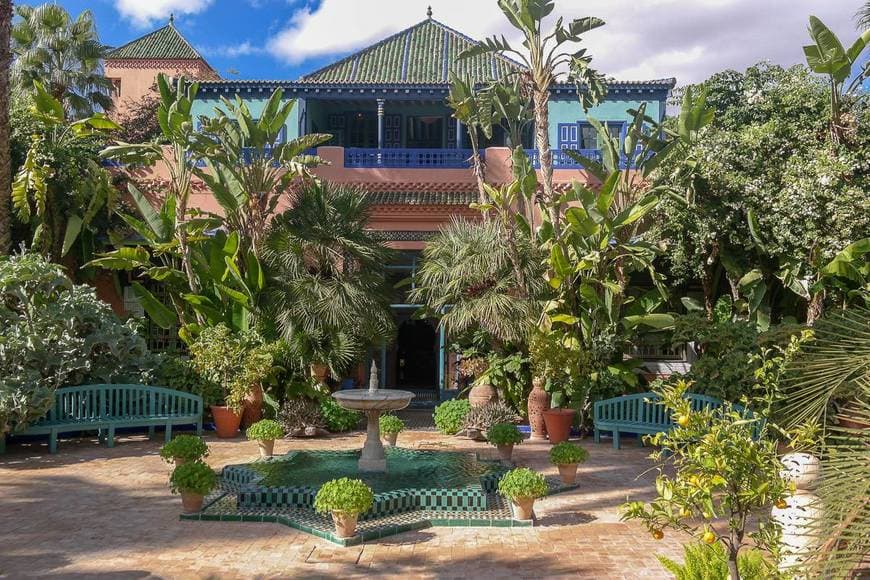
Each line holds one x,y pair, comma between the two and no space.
93,512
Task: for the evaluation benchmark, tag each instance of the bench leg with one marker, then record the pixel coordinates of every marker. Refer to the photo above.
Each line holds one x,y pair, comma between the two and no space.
110,437
199,427
615,439
52,442
597,435
151,432
168,436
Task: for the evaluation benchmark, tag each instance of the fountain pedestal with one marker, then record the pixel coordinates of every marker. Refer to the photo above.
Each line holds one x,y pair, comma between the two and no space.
372,457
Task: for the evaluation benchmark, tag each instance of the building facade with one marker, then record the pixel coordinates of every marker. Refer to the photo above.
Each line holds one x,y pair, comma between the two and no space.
395,138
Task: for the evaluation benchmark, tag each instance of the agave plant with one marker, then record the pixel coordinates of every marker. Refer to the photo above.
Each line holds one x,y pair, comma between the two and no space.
832,376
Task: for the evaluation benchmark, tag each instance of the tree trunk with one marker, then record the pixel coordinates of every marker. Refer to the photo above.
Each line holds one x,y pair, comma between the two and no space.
477,165
815,308
5,162
541,98
733,571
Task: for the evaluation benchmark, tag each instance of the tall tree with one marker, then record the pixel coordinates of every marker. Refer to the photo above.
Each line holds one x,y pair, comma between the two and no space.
862,17
5,161
62,53
544,57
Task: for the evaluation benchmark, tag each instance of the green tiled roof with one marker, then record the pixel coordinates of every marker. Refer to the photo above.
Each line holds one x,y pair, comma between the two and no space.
421,197
163,43
423,53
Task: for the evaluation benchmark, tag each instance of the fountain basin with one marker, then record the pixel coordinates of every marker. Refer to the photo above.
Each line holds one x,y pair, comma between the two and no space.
377,400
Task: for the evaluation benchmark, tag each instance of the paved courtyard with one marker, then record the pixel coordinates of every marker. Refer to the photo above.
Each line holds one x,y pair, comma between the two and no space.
93,512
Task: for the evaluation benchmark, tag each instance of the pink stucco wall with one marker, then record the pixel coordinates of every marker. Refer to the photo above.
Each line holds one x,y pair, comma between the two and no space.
136,78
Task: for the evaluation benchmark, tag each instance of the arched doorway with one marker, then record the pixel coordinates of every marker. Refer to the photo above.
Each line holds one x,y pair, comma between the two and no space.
416,363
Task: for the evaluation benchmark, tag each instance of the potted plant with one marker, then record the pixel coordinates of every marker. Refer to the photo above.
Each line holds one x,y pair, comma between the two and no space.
346,499
560,362
522,487
193,481
264,432
482,392
184,449
566,456
391,426
504,436
479,419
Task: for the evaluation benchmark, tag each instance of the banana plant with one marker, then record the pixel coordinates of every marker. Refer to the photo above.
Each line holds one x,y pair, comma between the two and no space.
474,108
827,56
35,194
250,165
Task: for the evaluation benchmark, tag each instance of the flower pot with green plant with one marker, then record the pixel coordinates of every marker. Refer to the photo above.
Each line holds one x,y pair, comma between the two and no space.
450,415
184,449
193,481
504,436
391,426
522,487
345,499
264,432
566,456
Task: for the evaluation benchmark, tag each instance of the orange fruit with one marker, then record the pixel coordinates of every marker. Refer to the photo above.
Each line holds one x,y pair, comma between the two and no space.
658,534
683,420
708,537
781,504
685,513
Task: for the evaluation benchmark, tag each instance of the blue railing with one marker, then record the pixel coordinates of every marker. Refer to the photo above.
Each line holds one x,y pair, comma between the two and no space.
411,158
561,160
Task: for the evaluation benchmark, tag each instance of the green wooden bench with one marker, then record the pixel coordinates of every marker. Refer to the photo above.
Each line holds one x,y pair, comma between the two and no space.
642,414
107,407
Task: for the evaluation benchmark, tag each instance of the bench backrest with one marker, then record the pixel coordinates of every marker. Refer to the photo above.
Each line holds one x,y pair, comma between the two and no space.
97,402
645,408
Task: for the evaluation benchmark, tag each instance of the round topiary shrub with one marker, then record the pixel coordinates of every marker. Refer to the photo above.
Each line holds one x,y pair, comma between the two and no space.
450,415
195,477
265,430
504,434
345,495
184,448
522,483
391,424
565,453
337,418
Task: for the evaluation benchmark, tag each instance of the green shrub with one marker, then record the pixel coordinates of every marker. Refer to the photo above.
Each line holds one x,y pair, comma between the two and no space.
53,334
344,495
300,413
185,447
565,453
504,434
522,482
337,418
708,562
391,424
485,416
179,373
265,430
195,477
450,415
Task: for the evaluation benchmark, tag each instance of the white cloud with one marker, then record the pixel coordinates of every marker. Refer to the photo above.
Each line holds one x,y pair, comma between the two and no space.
144,13
233,50
643,39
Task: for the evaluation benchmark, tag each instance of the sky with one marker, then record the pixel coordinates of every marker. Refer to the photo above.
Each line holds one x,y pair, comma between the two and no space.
643,39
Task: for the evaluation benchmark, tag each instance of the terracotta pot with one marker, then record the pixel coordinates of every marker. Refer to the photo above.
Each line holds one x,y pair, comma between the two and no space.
267,447
390,439
538,402
252,409
568,473
505,451
345,524
226,421
559,423
524,508
191,502
481,394
319,372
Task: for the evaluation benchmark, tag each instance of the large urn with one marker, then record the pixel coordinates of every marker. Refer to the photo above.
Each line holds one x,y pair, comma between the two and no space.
538,402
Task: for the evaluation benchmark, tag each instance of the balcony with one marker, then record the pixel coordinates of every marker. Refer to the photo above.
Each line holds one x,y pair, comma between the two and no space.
561,160
407,158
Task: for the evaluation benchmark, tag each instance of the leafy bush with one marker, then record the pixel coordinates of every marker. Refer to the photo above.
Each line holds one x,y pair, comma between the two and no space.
179,373
522,482
185,447
337,418
300,414
485,416
449,415
391,424
708,562
504,434
511,375
195,477
344,495
54,333
265,430
565,453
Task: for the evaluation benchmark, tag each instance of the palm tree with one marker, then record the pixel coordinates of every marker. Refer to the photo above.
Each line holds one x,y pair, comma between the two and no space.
543,59
862,17
467,277
65,55
5,162
327,289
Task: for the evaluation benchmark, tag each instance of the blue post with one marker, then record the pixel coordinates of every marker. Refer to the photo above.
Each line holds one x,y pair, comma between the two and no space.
380,131
458,134
441,356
